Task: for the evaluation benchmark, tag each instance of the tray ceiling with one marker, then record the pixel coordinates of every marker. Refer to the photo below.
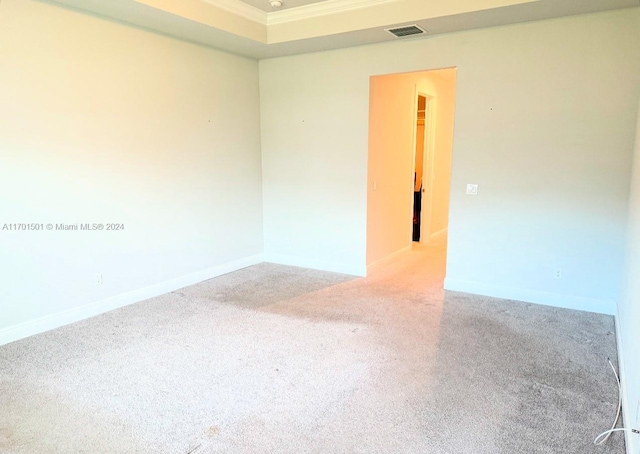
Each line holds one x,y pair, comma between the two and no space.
246,28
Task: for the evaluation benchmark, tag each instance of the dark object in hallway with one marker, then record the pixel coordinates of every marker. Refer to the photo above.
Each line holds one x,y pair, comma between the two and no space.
417,208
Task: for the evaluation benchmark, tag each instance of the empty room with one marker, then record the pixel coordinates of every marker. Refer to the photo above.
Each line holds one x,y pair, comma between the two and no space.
320,226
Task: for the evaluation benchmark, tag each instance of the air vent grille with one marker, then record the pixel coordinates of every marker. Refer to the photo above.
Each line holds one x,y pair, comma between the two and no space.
408,30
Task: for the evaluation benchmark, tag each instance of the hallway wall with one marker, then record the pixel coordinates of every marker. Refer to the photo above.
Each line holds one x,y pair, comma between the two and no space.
445,88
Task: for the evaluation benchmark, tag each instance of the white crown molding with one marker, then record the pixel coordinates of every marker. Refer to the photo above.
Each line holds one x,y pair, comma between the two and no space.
321,9
240,9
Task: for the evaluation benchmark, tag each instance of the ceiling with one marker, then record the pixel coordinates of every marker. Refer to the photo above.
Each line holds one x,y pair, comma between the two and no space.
245,28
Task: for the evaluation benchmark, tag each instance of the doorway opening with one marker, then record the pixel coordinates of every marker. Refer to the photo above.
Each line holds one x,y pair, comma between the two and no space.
422,163
409,161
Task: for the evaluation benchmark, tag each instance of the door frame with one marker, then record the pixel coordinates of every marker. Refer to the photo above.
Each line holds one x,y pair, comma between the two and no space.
428,158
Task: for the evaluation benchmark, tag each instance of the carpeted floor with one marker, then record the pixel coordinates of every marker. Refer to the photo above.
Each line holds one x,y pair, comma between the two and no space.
275,359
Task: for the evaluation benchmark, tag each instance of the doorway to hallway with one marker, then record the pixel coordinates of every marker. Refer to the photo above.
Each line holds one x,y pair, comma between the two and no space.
409,161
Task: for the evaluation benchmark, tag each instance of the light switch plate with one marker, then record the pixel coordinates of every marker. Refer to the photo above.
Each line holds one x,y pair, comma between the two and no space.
472,189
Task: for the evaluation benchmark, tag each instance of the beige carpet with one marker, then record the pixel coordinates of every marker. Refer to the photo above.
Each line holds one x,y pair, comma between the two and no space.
275,359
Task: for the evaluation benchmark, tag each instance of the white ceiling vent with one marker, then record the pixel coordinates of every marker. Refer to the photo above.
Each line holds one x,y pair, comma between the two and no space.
407,30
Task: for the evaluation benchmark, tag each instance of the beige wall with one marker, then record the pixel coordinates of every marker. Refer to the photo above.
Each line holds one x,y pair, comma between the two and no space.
445,102
391,140
544,123
105,123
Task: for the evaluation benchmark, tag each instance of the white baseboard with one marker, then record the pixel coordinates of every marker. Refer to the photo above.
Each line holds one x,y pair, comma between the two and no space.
532,296
388,259
438,234
335,267
626,405
49,322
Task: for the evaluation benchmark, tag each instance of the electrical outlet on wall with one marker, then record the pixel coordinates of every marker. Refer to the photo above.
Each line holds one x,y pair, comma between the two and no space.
99,278
558,274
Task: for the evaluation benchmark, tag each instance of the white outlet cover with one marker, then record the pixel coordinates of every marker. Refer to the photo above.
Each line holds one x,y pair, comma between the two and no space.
472,189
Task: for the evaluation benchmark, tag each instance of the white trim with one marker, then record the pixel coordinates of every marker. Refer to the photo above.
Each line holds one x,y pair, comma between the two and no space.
428,164
313,10
241,9
626,405
323,265
321,9
49,322
388,259
438,234
532,296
